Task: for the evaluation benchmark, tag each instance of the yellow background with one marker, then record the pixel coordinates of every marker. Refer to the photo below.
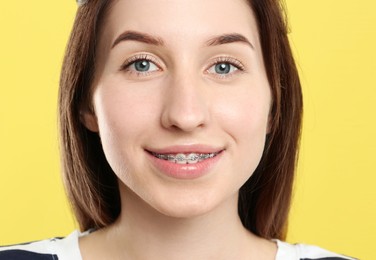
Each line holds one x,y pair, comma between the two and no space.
335,46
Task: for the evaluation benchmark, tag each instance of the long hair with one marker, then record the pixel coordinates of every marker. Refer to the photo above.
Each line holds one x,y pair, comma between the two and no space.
264,200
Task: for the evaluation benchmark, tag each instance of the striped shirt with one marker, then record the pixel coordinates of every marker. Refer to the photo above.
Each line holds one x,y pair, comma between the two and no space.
68,249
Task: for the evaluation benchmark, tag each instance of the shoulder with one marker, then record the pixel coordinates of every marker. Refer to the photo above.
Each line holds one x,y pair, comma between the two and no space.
306,252
49,249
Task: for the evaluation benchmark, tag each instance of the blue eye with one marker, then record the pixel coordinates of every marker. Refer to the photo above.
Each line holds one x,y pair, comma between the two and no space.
222,68
143,66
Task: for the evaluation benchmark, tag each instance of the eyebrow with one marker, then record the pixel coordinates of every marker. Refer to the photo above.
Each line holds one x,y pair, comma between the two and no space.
139,37
229,38
149,39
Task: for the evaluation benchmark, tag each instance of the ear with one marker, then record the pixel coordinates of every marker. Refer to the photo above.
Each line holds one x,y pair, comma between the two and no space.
89,120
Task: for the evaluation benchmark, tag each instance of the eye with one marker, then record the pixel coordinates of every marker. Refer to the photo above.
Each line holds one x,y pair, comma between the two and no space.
222,68
142,65
225,67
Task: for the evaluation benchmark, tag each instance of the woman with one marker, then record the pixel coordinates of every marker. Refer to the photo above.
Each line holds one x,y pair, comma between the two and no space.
180,123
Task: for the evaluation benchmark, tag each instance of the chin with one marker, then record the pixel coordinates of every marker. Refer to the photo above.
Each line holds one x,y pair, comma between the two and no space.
186,211
190,206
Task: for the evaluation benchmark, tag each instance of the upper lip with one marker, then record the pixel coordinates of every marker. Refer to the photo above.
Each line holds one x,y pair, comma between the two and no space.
194,148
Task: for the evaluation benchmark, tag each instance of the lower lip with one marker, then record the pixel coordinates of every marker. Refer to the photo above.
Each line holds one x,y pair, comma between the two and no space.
185,171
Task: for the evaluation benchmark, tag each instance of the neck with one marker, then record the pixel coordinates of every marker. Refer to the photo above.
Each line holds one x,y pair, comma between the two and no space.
141,232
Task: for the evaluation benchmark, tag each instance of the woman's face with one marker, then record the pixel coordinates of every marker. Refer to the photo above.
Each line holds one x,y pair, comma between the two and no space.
181,101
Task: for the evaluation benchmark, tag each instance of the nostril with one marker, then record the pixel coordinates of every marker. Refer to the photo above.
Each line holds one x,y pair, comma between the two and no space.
185,105
185,123
184,119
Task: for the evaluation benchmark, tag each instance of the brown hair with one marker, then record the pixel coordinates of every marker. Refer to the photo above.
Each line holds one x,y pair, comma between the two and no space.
92,187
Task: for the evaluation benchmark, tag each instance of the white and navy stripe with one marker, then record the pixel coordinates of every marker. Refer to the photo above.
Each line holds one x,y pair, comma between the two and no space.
68,249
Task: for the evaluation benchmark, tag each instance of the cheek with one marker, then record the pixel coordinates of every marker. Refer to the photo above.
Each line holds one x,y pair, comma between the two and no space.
122,120
123,110
245,118
245,113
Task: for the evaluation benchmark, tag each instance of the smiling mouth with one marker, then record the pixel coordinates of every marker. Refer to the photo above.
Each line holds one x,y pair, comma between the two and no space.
185,158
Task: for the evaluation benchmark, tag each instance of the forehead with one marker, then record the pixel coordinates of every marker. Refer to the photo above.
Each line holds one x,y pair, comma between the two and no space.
174,20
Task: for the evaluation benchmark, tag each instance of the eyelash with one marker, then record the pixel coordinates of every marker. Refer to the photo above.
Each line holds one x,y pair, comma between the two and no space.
229,60
141,57
145,57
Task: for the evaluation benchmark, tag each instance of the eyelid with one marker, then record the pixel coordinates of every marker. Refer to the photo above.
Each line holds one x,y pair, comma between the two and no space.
142,56
227,59
240,68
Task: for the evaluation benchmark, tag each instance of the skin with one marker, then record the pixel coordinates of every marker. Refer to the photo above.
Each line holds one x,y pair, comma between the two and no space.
180,100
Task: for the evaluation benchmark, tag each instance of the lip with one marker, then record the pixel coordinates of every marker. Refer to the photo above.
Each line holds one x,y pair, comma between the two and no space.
195,148
185,171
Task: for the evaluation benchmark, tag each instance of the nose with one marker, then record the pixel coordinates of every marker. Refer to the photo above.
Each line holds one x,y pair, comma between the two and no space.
185,105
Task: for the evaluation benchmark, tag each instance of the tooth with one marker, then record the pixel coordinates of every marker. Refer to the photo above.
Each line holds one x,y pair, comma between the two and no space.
160,156
171,158
205,156
180,158
192,158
